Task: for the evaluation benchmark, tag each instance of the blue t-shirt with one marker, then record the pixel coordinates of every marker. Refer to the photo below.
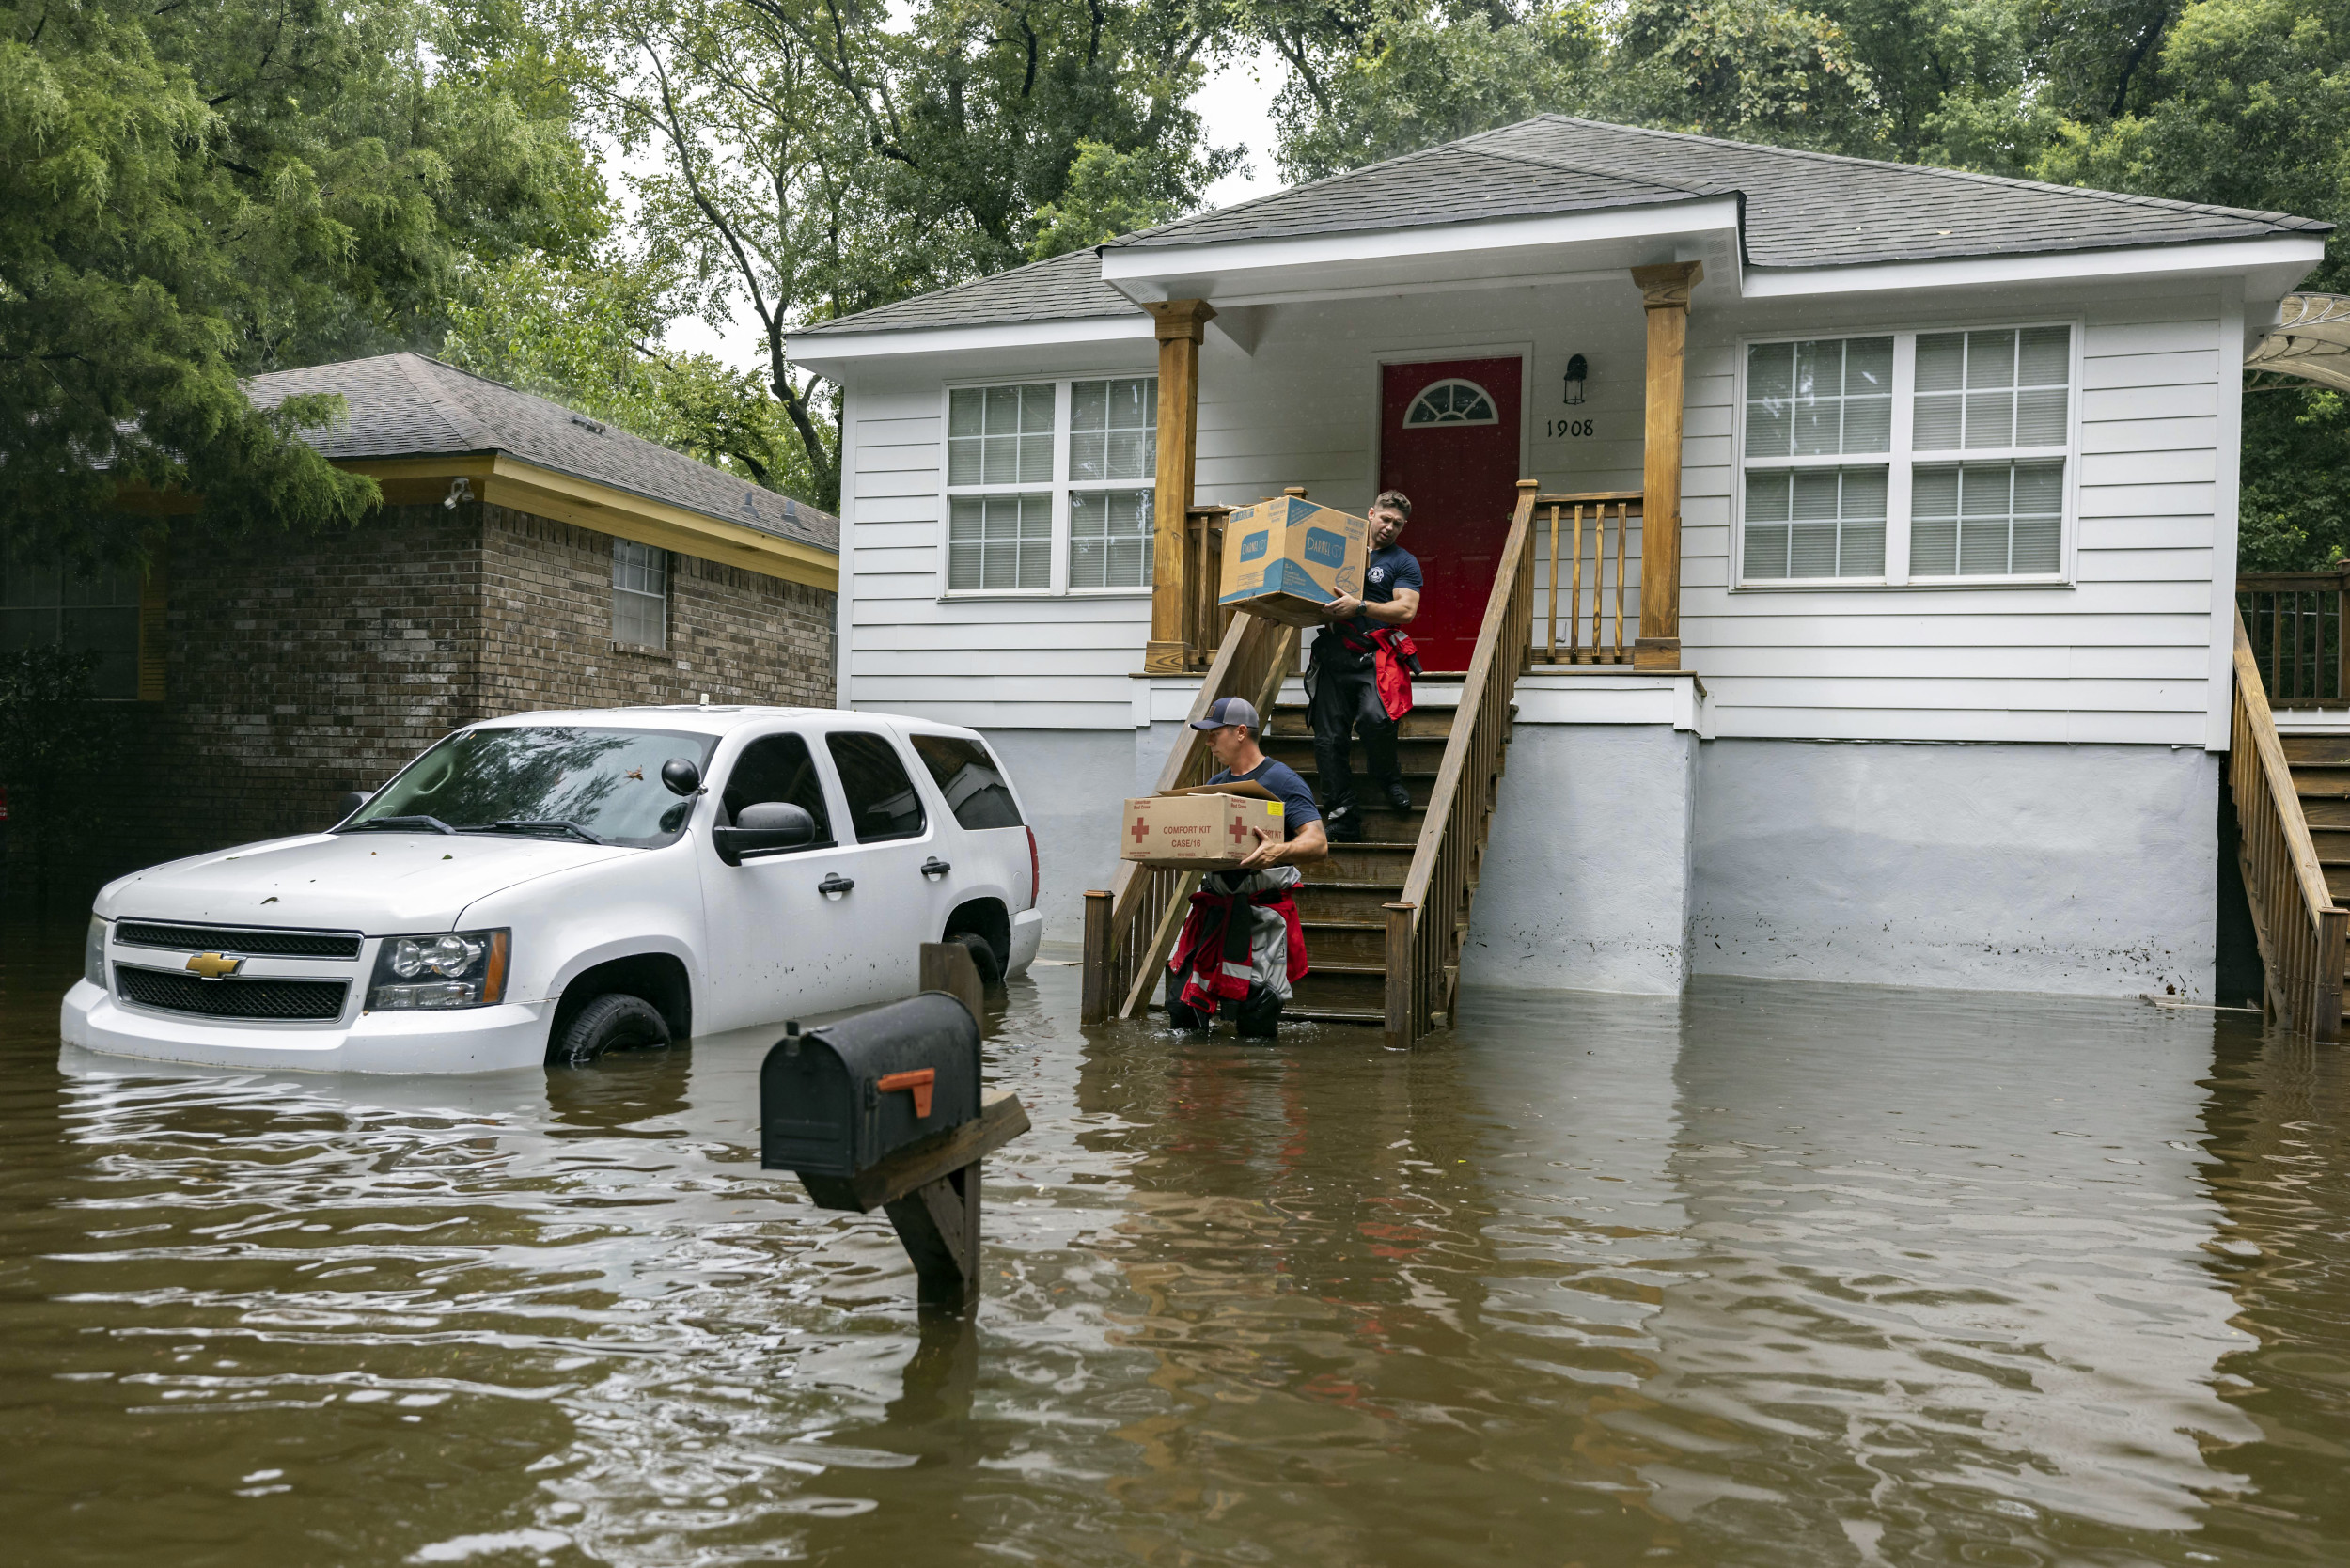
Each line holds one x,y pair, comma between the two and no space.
1297,802
1388,569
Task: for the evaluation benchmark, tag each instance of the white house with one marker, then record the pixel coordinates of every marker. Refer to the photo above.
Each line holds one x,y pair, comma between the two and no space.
1925,670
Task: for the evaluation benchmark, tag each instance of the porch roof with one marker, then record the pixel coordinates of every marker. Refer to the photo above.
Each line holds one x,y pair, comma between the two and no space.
1797,209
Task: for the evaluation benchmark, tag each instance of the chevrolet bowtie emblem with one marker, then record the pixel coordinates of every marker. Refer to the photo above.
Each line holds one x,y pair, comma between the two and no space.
214,965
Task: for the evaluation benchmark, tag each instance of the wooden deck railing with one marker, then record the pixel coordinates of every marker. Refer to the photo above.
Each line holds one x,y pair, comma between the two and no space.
2294,917
2294,620
1592,638
1130,929
1205,623
1426,923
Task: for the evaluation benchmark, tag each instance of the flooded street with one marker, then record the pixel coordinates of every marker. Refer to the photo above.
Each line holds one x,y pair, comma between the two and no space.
1769,1275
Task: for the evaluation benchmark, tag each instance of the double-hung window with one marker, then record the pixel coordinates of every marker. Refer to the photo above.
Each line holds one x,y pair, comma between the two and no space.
1907,457
640,594
1049,485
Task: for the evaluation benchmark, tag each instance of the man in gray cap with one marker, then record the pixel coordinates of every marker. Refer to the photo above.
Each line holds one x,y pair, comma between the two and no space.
1241,947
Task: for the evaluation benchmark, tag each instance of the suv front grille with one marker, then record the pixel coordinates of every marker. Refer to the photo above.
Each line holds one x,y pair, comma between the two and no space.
236,996
253,942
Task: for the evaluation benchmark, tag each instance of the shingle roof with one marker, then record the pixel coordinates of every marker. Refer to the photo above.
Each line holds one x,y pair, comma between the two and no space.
407,405
1067,288
1801,210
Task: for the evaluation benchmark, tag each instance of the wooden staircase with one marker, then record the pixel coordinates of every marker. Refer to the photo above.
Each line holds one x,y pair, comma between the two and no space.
2293,818
1343,904
1385,920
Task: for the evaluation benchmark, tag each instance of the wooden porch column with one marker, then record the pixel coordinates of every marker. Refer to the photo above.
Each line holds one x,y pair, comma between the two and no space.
1181,325
1664,290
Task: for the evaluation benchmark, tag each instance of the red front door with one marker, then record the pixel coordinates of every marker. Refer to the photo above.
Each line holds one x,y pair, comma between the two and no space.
1449,439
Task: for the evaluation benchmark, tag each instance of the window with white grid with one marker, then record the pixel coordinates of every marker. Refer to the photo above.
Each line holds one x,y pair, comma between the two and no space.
1812,407
2004,398
640,594
1113,442
1907,457
999,482
1050,486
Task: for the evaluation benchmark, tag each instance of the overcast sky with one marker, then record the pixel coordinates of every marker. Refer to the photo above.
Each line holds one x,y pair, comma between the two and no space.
1233,102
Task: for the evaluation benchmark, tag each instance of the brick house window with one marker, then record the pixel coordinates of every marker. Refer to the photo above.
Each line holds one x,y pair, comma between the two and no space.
640,594
45,607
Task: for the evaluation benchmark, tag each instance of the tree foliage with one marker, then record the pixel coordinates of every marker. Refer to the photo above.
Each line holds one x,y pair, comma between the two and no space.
804,159
193,193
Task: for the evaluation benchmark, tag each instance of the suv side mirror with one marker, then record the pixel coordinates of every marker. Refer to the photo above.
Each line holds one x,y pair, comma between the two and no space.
681,776
352,802
767,827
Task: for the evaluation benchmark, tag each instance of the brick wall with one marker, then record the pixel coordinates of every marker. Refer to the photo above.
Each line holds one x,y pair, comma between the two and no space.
299,668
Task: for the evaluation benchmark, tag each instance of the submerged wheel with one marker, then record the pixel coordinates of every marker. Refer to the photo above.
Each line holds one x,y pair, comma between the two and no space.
615,1022
983,957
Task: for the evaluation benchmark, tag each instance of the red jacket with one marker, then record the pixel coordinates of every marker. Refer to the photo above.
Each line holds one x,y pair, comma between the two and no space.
1214,952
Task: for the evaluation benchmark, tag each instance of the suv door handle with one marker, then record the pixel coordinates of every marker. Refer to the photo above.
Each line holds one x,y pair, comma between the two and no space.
935,868
835,886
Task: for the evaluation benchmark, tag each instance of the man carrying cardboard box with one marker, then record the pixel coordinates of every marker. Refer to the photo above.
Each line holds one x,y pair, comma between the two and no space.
1242,946
1359,678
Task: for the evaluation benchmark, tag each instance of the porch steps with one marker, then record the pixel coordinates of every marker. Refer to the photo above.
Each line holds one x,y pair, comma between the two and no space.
1342,904
2321,778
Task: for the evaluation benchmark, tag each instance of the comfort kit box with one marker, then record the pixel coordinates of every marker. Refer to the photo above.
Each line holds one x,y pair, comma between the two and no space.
1202,829
1286,557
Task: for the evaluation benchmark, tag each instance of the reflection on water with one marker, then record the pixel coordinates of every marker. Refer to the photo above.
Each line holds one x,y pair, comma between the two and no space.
1773,1274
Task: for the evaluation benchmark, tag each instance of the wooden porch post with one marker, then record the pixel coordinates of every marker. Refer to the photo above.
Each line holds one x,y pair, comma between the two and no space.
1664,290
1181,325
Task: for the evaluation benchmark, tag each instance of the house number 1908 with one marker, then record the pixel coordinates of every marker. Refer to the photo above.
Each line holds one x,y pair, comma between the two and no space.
1556,428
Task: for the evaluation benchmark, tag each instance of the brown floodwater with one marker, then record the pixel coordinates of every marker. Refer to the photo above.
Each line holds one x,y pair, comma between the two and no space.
1772,1274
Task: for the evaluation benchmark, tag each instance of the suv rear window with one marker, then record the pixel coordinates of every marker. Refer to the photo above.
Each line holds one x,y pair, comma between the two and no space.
971,779
882,802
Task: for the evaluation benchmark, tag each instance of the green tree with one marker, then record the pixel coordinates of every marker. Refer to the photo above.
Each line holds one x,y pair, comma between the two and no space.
58,747
587,335
192,193
801,159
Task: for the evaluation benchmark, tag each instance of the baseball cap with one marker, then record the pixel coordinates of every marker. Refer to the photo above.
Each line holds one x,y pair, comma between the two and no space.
1228,709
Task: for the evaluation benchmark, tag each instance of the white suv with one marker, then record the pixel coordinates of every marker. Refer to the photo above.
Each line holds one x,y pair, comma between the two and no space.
550,887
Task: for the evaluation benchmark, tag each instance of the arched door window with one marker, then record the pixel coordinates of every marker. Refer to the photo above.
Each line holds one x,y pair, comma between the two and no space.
1451,402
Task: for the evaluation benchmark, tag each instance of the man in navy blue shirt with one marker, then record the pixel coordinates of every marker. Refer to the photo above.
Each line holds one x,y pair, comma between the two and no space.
1242,946
1344,688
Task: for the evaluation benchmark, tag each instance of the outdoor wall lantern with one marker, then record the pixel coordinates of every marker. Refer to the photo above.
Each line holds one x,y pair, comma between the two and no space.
1577,369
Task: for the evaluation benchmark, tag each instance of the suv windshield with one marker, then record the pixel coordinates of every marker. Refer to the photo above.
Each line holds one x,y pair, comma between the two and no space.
553,781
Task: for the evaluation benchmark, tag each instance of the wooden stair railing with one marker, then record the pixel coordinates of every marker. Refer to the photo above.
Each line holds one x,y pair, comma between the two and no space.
1607,513
2294,621
1131,928
2300,930
1205,621
1427,923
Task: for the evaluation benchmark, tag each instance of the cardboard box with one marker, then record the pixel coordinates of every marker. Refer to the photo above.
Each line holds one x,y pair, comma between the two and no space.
1204,828
1286,557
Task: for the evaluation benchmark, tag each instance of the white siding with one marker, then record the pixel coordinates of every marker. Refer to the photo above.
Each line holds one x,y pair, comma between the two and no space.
2122,652
2119,652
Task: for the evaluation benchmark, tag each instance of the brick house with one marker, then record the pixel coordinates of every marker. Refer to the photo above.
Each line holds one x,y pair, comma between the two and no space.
525,557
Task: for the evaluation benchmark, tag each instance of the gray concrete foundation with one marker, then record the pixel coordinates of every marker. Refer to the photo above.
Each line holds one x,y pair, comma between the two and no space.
1587,874
2090,869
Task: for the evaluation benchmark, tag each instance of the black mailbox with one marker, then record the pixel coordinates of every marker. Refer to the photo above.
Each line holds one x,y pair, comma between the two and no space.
838,1100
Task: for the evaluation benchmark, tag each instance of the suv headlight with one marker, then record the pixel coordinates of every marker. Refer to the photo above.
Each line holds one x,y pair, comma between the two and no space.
94,953
454,968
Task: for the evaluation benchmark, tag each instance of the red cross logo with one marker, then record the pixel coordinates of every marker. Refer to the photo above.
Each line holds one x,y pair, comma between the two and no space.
1240,832
1142,831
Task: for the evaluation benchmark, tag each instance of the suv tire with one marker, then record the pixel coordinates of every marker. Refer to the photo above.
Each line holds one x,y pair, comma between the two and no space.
983,957
615,1022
